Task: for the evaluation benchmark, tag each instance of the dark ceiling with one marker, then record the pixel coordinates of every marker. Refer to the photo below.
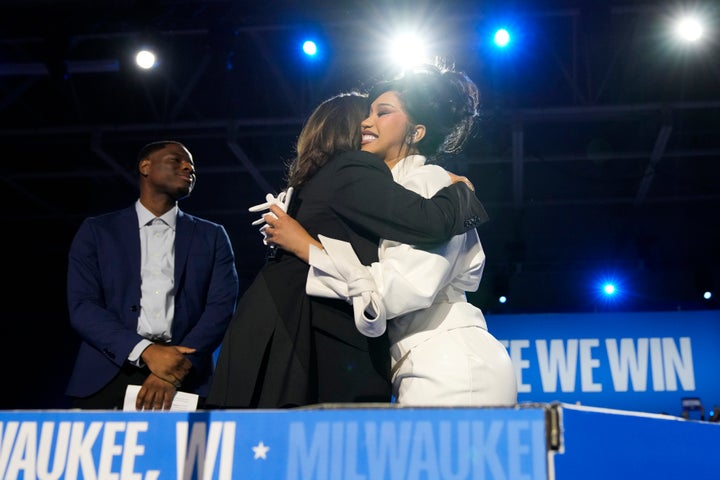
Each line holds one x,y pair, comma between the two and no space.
598,153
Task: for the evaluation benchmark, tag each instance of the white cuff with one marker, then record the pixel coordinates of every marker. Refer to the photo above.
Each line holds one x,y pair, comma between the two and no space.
135,354
337,272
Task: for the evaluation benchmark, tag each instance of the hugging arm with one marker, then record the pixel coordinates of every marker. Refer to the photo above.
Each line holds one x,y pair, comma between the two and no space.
367,196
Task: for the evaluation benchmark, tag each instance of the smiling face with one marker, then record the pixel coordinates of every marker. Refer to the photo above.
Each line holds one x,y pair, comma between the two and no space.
387,131
169,171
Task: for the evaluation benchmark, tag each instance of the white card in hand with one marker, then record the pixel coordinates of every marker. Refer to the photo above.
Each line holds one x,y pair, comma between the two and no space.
182,402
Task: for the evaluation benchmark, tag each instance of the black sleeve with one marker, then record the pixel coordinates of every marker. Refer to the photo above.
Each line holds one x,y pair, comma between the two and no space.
369,198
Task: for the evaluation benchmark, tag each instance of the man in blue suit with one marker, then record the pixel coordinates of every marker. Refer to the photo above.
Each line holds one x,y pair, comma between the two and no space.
150,292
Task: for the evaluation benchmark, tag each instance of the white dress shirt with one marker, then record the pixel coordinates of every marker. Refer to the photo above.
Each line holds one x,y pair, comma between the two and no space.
157,269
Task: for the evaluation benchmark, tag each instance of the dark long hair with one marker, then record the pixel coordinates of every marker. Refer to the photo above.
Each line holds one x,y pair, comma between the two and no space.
332,128
444,100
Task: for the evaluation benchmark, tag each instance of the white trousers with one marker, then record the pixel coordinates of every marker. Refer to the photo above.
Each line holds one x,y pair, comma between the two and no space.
464,366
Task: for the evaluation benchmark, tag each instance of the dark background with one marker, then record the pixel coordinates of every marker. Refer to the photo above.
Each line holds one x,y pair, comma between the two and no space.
597,154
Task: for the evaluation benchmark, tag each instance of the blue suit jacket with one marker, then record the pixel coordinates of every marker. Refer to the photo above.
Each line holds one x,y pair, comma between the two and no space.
103,292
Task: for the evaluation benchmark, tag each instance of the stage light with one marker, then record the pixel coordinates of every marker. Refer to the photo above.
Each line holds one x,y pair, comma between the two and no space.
501,38
312,51
504,32
407,50
609,291
145,59
714,414
230,60
689,29
501,287
310,48
704,283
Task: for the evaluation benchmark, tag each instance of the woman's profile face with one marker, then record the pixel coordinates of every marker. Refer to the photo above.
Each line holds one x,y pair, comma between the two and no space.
384,131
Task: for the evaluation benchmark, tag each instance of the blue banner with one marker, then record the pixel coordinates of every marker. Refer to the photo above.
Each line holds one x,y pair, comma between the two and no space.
314,444
645,362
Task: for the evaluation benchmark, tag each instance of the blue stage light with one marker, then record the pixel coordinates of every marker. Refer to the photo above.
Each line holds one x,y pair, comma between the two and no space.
310,48
609,290
501,38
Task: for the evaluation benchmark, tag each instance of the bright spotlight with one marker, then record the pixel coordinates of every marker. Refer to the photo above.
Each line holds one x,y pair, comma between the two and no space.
502,299
310,48
609,289
145,59
707,295
689,29
501,38
407,50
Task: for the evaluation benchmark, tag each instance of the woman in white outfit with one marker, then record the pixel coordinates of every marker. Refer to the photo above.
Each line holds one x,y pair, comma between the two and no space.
442,352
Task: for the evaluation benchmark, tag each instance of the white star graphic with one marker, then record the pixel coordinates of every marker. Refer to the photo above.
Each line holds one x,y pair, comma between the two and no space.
261,450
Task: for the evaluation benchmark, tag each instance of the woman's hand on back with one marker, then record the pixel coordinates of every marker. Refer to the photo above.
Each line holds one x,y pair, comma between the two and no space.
459,178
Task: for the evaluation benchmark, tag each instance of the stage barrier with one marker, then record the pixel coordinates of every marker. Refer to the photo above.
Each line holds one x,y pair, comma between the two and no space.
357,442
